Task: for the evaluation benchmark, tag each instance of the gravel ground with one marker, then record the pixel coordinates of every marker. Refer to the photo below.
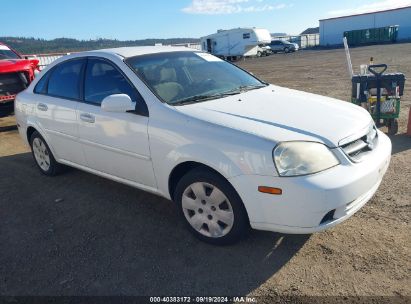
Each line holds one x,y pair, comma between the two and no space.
78,234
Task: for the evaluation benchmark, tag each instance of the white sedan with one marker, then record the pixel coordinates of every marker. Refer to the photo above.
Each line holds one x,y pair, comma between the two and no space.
231,150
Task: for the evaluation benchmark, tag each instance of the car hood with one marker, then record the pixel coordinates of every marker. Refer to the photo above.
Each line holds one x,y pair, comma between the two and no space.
15,65
281,114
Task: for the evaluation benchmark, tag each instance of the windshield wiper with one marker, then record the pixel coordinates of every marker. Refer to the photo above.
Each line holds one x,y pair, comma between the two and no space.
246,88
235,91
198,98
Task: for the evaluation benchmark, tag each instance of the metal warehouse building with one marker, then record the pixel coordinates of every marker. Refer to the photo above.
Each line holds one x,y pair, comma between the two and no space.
332,29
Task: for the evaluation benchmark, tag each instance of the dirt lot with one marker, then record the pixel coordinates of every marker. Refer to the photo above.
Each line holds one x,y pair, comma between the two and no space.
78,234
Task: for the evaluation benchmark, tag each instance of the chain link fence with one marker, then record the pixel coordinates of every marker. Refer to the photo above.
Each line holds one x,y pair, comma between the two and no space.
45,59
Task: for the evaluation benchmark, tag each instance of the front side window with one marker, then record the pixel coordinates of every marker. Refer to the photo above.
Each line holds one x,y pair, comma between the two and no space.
102,79
64,80
188,77
246,36
7,53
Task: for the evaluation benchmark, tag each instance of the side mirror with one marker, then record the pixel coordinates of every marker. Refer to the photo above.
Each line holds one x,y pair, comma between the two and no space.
119,103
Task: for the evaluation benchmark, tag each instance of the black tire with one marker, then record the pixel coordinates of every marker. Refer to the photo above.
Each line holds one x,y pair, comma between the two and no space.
54,167
259,54
240,226
286,50
392,125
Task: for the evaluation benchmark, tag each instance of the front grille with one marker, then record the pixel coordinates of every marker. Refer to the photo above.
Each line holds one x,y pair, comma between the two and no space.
12,83
360,147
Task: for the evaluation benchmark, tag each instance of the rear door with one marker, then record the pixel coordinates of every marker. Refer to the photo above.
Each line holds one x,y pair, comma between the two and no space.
57,96
114,143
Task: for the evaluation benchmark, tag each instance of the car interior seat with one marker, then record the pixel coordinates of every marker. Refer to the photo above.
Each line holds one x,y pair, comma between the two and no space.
168,88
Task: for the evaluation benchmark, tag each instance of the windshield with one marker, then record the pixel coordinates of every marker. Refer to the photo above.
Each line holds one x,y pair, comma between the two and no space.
6,53
189,77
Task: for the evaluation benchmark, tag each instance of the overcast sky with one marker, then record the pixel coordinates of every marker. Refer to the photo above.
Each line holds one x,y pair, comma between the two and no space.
139,19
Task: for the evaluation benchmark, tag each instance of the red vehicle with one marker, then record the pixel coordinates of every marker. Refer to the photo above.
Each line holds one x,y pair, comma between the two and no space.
16,73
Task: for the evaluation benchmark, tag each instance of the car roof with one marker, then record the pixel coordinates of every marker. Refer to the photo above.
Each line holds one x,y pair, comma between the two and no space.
141,50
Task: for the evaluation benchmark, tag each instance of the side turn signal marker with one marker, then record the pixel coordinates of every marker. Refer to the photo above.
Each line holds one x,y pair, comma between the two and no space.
270,190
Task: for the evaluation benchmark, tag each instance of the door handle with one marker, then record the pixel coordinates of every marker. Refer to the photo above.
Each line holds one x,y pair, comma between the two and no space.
86,117
42,107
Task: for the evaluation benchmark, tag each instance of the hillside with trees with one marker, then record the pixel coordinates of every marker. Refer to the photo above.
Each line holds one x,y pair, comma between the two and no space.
63,45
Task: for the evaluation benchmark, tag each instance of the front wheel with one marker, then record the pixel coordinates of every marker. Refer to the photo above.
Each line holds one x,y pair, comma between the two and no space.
286,50
42,155
211,208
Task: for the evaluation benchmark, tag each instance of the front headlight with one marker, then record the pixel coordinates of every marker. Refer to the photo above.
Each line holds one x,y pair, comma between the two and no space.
302,158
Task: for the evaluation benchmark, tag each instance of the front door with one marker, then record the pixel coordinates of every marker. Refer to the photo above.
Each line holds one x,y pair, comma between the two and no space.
114,143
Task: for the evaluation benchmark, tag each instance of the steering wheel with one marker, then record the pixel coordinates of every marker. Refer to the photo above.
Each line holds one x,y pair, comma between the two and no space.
207,83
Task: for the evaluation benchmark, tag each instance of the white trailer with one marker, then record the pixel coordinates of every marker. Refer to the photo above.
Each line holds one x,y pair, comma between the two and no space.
237,42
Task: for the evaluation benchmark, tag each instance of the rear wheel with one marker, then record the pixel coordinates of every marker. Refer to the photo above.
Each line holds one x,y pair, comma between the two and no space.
211,207
42,155
286,50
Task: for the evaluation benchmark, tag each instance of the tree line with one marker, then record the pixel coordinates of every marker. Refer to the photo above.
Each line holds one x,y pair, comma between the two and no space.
64,45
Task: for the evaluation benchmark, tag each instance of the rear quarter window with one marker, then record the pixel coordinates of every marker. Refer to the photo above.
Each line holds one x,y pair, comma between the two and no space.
41,86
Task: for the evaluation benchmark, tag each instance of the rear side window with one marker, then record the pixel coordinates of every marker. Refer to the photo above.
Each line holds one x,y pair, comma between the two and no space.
64,80
102,79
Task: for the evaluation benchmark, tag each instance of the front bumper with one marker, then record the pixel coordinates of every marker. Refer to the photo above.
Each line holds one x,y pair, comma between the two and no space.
315,202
